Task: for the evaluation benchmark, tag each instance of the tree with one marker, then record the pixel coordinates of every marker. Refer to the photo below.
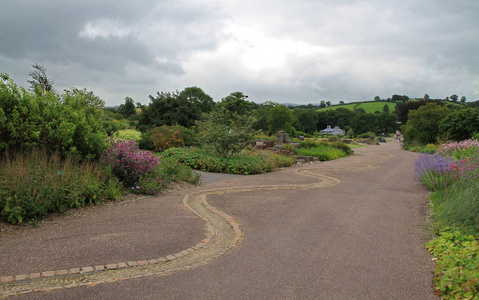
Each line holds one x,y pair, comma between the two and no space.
403,109
328,103
128,108
453,98
306,120
341,102
386,108
227,132
197,95
169,109
385,123
398,98
278,119
261,115
363,123
423,124
426,97
322,104
40,83
338,117
463,99
236,102
377,98
461,124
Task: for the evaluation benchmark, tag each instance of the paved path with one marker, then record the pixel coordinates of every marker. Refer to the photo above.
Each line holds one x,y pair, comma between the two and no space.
346,229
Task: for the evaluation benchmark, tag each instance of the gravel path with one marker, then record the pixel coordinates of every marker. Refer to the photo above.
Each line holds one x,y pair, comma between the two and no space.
347,229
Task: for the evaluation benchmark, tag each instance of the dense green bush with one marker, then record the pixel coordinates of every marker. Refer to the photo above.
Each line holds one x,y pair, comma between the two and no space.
71,123
165,137
247,162
35,184
164,175
146,142
226,132
342,146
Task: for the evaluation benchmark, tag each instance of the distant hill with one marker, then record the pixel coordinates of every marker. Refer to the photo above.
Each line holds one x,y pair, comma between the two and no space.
368,106
374,106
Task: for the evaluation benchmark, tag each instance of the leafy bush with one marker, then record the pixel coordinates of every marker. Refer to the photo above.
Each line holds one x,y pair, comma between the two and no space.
165,137
163,175
333,138
312,144
128,163
146,142
247,162
342,146
70,124
35,184
457,269
227,132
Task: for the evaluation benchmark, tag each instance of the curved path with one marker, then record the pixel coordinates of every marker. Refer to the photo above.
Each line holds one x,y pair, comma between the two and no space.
355,233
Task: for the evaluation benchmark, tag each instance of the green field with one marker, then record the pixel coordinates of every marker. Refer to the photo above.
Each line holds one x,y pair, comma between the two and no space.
369,107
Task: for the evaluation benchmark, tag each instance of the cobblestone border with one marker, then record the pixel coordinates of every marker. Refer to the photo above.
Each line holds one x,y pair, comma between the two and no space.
222,234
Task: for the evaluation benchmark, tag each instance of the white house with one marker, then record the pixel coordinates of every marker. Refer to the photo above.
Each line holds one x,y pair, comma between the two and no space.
334,131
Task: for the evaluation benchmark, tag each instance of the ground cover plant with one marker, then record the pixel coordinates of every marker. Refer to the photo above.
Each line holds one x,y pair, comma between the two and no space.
453,175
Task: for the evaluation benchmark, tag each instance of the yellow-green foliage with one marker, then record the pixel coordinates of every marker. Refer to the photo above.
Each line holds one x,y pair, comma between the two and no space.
128,134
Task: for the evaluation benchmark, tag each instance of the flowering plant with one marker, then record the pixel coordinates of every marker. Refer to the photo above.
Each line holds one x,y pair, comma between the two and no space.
128,162
455,148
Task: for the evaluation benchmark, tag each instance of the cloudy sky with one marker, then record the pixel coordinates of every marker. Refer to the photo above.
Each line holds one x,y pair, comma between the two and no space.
286,51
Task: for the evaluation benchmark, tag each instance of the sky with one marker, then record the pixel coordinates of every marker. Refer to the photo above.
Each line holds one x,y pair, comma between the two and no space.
285,51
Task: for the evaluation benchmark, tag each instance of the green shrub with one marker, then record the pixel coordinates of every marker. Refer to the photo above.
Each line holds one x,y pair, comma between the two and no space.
342,146
312,144
247,162
35,184
333,138
70,124
163,175
146,142
165,137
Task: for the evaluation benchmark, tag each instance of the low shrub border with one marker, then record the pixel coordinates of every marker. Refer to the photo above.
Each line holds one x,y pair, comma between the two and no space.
246,162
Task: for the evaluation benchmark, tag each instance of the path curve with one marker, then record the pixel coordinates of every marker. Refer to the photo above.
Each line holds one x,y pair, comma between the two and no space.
222,234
